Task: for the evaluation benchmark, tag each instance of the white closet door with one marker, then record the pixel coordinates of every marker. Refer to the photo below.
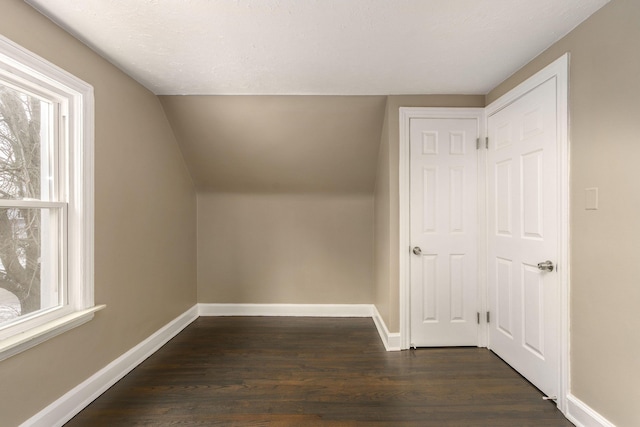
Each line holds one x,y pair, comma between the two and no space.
444,227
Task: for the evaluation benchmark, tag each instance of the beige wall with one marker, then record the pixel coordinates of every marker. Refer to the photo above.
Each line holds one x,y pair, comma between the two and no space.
144,225
285,248
382,245
285,204
605,244
278,144
387,287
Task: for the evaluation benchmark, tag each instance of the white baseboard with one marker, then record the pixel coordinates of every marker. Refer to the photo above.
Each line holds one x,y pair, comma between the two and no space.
582,415
70,404
299,310
390,340
74,401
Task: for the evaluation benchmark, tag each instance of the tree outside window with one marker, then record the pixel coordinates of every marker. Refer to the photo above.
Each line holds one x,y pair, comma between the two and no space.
22,164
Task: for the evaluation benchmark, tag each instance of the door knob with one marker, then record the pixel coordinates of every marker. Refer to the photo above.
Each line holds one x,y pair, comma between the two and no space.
545,266
417,250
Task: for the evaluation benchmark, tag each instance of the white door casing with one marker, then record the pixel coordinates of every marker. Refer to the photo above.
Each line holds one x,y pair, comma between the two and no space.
444,224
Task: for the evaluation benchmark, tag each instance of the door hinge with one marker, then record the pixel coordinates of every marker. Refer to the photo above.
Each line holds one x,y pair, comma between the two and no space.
478,313
486,143
488,317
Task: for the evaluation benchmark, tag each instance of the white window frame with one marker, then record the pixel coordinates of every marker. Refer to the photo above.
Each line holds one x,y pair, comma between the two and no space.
21,66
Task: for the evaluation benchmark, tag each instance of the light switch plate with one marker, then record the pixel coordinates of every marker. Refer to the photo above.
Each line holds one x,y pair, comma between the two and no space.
591,198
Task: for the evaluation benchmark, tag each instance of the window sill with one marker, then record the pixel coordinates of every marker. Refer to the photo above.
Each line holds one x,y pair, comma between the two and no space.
21,342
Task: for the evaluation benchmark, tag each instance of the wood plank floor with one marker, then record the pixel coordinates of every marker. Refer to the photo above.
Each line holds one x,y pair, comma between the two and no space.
266,371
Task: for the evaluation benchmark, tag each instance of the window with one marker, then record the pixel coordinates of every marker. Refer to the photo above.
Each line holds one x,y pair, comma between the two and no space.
46,200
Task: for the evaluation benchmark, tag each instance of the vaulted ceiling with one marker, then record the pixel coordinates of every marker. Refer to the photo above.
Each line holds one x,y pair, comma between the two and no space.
353,52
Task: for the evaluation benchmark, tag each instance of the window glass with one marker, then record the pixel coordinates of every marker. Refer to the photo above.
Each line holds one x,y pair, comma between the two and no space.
24,130
29,236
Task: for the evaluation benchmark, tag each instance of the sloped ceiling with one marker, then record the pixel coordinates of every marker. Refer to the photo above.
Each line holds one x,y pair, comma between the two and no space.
279,144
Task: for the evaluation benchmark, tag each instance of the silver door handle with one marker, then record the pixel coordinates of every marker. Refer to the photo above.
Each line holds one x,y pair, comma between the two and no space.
545,266
417,250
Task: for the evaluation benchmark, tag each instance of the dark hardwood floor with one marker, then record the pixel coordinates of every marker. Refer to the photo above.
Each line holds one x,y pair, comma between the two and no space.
265,371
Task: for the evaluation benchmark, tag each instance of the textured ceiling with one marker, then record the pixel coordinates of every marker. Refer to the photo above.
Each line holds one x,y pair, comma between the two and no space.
318,46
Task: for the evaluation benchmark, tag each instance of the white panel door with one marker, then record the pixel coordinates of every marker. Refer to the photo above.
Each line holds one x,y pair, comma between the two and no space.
522,205
443,225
